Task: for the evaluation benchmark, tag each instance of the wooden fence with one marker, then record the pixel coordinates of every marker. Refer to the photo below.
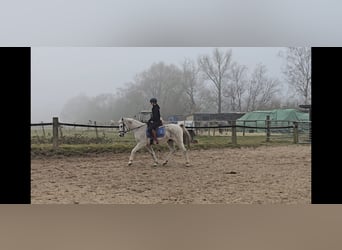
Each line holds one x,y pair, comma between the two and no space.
292,127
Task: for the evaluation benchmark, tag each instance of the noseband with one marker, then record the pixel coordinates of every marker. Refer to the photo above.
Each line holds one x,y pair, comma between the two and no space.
126,129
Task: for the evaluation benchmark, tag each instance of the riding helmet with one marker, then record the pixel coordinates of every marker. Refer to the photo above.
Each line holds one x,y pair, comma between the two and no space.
153,100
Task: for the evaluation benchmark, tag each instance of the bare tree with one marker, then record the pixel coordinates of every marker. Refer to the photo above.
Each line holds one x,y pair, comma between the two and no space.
76,109
190,81
270,88
207,100
83,108
131,100
216,69
254,87
298,71
163,82
237,86
261,89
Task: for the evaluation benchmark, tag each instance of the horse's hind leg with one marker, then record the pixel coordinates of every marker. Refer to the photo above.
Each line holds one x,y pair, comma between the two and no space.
151,151
134,150
185,153
171,146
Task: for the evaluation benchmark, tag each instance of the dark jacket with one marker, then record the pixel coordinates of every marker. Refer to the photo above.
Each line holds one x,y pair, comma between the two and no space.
155,121
155,113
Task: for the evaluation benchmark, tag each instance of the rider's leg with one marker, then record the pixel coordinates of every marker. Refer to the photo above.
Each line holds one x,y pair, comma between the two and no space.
154,135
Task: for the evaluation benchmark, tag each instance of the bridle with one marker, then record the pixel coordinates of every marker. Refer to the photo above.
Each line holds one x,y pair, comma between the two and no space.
123,128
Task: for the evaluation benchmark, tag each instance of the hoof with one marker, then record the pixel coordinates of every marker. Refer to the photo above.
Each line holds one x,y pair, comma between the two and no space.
165,162
129,163
155,164
187,164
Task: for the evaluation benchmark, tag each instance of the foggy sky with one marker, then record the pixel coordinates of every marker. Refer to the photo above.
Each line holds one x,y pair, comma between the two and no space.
170,23
127,23
60,73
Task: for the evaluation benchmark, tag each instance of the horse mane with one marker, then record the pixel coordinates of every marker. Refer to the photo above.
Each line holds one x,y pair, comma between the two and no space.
131,120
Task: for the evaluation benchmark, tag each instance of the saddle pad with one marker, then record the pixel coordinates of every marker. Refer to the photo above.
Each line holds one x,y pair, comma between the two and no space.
160,132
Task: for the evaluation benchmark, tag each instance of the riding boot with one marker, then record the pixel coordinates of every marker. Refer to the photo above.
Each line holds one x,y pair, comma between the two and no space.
154,135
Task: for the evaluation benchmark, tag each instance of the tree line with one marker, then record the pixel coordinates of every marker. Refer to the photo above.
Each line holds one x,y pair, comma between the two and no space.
210,83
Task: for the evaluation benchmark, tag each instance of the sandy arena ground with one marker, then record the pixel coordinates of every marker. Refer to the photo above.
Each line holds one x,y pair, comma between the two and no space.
263,175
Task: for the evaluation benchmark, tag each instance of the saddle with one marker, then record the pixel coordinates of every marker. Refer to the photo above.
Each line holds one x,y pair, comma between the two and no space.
160,132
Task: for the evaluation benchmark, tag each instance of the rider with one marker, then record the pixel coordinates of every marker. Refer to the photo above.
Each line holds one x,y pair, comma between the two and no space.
154,122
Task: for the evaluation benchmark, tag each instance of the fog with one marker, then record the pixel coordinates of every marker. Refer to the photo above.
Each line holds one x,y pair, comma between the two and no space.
60,73
170,23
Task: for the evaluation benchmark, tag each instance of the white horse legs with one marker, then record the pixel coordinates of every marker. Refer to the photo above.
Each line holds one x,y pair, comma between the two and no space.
151,151
172,151
187,163
134,150
185,153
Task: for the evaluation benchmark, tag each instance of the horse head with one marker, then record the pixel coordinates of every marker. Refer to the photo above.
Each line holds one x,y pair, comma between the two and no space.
122,127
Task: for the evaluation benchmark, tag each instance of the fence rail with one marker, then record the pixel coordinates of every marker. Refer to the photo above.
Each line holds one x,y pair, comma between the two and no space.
87,125
41,124
297,132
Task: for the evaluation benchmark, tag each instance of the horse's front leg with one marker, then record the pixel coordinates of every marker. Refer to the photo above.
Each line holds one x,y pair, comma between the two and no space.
134,150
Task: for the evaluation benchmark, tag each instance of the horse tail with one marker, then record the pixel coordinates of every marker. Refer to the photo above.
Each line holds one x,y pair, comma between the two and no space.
186,135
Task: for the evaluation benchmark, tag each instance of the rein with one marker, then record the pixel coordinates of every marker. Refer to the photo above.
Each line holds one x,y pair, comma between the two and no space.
131,129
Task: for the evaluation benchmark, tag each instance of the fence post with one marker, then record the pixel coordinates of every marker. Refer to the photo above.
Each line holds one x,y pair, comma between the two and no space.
268,131
214,128
43,130
295,132
243,130
97,135
55,132
234,139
